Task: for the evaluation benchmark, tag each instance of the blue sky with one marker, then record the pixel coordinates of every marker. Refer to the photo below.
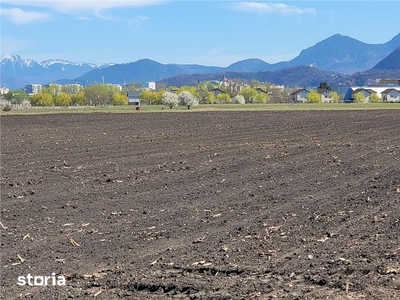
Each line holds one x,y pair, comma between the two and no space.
210,32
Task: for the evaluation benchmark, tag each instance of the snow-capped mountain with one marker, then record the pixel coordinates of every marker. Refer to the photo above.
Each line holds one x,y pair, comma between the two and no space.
17,72
14,62
50,62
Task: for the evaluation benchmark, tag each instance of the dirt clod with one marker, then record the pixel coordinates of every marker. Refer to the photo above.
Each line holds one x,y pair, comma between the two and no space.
232,205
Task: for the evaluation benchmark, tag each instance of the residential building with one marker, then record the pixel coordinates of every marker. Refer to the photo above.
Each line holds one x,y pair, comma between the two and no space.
299,95
366,91
134,98
391,95
389,82
173,90
324,93
33,89
261,90
54,87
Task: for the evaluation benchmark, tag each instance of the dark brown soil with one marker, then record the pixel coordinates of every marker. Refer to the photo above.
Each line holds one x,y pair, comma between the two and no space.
202,205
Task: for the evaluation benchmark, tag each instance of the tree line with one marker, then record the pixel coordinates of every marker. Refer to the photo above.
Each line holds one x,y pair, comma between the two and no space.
93,95
56,95
105,94
202,93
210,93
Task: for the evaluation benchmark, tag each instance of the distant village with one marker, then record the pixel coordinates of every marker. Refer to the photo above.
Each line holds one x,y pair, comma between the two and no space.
221,92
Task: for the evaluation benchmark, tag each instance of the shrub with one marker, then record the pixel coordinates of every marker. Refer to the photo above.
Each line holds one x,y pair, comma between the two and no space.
238,99
223,99
359,98
7,108
374,98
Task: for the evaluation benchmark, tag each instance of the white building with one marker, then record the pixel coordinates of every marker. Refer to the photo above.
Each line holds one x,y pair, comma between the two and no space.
299,95
391,95
134,98
367,91
151,85
33,89
324,93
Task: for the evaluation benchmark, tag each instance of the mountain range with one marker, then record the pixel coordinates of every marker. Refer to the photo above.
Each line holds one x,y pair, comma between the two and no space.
17,72
390,62
336,58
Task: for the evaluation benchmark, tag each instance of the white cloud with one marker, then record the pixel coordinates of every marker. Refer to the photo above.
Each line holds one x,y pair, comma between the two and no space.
83,18
80,9
19,16
71,6
279,8
134,22
137,22
142,18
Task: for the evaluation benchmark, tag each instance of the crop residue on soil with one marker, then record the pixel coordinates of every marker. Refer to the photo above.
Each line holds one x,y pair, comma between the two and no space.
207,205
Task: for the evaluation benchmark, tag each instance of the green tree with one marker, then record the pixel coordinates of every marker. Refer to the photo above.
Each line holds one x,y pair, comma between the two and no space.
359,98
374,98
71,89
62,99
204,93
79,98
324,85
334,96
223,98
54,89
146,96
207,98
8,96
211,97
42,99
249,94
151,97
188,88
314,97
261,98
255,83
119,99
16,97
99,94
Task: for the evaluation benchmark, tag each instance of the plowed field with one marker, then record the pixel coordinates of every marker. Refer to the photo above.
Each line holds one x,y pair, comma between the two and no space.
202,205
